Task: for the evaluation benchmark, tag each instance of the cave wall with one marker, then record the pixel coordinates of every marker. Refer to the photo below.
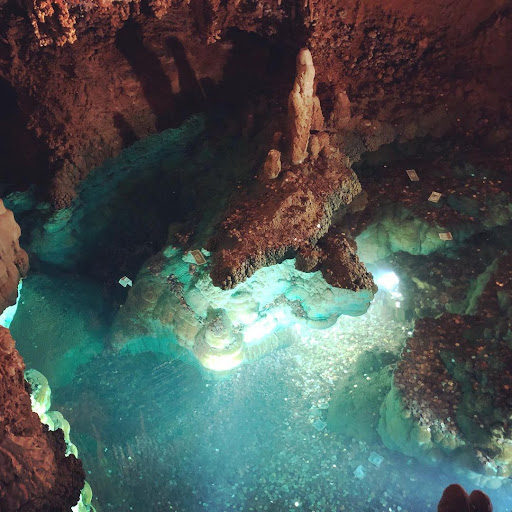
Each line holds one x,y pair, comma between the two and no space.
13,259
92,77
35,473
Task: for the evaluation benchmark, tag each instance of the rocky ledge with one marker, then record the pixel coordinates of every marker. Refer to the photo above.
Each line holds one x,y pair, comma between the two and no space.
35,473
286,216
451,395
13,259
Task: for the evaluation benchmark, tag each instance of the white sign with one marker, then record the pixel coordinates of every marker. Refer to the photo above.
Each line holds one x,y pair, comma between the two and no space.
198,256
376,459
360,472
125,281
434,197
413,176
446,236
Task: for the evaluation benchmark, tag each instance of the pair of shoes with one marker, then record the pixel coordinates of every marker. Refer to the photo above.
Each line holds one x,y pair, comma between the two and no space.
456,499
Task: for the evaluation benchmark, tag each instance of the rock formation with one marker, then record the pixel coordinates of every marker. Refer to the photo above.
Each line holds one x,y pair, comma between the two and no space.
13,259
288,215
175,309
92,77
272,166
450,397
291,214
304,109
35,473
399,218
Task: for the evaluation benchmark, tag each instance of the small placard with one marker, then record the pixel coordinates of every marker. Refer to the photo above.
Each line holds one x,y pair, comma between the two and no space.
125,281
446,236
319,424
198,256
376,459
413,176
360,472
434,197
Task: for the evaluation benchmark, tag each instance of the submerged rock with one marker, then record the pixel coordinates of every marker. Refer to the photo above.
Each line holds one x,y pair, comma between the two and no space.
174,311
451,394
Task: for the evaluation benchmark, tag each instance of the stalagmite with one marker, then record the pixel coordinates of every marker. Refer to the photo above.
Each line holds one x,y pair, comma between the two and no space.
318,142
272,166
303,107
341,114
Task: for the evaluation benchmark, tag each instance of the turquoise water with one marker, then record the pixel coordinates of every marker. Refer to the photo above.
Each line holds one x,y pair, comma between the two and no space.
157,433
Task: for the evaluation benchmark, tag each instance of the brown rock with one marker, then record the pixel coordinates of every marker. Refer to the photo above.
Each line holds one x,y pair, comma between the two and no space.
291,213
341,113
301,105
272,166
35,474
318,143
13,259
92,77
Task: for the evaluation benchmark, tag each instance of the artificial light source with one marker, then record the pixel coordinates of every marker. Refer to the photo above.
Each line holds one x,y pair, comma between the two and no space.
389,281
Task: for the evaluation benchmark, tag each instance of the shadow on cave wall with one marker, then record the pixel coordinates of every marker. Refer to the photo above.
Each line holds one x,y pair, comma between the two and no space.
150,72
169,109
23,159
258,77
192,94
126,132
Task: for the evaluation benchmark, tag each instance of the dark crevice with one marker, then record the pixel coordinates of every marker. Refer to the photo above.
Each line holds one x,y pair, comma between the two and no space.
23,160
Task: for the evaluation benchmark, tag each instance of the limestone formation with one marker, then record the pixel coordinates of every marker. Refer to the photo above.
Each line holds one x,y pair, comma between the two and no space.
450,397
35,473
176,313
291,214
406,83
318,143
272,166
13,259
341,113
304,111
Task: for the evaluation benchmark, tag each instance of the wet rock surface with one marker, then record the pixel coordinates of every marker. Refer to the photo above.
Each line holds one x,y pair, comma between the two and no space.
475,199
35,474
452,384
175,309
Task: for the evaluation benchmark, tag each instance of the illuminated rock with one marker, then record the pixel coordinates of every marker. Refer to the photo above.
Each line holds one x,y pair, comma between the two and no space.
450,398
7,316
40,398
224,328
35,474
13,259
216,346
304,109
